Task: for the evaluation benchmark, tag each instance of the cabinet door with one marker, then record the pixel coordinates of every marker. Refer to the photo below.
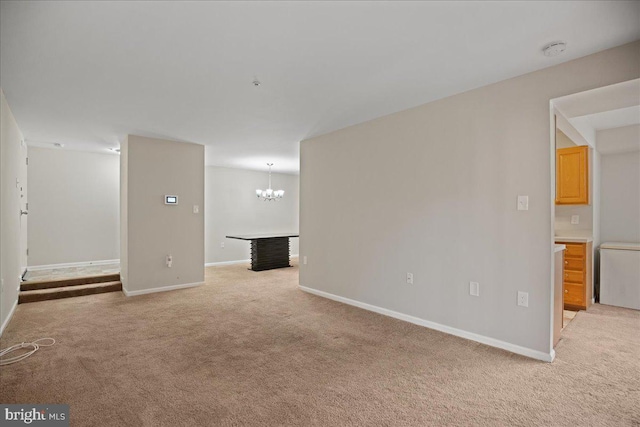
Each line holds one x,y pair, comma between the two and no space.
572,176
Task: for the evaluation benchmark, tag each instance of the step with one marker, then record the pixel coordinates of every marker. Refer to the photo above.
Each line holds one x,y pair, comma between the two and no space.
32,285
68,291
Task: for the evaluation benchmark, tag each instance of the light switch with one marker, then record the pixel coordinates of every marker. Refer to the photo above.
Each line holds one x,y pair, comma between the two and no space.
575,219
474,289
523,203
196,209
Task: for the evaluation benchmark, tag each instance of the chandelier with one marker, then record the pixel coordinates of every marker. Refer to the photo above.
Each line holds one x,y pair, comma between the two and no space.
269,194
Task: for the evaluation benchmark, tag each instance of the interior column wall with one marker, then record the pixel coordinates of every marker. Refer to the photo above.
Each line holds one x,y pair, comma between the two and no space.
153,230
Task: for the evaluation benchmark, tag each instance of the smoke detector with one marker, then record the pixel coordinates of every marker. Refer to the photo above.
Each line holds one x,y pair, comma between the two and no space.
115,150
58,145
554,49
256,82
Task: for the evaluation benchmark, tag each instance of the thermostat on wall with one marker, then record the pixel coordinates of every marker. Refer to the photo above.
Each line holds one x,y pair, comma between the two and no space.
170,200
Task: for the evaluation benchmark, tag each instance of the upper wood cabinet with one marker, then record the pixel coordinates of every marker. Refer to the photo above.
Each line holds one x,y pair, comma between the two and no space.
572,175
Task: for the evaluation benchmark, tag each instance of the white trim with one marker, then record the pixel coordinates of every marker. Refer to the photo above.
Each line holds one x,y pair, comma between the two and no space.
239,261
6,322
72,264
524,351
160,289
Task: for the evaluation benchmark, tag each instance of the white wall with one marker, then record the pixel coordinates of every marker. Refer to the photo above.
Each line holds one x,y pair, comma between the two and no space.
432,190
233,208
620,197
12,166
151,230
624,139
73,206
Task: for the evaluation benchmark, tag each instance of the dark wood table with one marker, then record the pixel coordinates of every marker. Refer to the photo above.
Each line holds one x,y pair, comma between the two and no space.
268,251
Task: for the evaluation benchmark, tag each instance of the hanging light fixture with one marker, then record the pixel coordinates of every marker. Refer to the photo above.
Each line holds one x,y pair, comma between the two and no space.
269,194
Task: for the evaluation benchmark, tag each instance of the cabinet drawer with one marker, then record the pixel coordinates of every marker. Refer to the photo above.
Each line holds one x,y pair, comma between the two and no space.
575,264
576,277
573,294
574,250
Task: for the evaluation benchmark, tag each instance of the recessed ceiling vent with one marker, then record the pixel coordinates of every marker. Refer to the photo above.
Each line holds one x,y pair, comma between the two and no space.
554,49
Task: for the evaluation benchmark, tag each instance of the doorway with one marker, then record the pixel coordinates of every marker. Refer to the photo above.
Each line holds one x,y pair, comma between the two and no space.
588,129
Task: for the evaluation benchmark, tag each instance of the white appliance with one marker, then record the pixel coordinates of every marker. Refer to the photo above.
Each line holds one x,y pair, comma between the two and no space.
620,274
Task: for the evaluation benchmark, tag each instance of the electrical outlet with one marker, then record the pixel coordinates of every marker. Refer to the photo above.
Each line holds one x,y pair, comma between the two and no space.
222,245
474,289
169,260
410,278
575,219
523,299
304,260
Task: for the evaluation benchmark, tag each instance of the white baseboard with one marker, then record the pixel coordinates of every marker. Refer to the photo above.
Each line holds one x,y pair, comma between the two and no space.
72,264
524,351
160,289
6,321
239,261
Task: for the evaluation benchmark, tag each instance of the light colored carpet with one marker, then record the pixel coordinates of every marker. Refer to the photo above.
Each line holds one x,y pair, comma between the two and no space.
251,349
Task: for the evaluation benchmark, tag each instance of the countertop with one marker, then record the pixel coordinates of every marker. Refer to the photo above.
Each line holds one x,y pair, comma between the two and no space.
262,236
625,246
560,239
559,248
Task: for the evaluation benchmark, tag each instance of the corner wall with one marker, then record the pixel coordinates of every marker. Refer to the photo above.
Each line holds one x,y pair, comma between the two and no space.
233,208
432,191
151,230
12,167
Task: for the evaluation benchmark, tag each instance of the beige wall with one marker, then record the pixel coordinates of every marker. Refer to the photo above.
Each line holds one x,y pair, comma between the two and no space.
152,230
73,206
233,208
12,224
432,190
563,141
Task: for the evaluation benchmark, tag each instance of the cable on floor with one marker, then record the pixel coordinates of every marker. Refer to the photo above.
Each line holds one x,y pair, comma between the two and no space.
33,345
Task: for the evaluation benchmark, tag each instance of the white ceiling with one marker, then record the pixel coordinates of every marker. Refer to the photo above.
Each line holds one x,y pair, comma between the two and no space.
609,119
87,73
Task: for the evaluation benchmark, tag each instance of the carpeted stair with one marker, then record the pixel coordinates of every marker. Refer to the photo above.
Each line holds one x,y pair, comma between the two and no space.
32,291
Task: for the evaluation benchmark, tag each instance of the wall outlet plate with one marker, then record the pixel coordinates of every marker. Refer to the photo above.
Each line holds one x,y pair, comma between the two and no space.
474,289
304,260
575,219
410,278
523,299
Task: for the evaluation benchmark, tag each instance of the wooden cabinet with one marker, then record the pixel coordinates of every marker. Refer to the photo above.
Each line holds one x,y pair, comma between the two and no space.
578,281
572,176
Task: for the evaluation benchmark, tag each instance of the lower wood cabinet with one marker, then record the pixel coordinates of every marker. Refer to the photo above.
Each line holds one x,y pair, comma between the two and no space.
578,280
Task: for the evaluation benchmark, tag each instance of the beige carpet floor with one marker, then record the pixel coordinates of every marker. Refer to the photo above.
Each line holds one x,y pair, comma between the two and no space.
252,349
